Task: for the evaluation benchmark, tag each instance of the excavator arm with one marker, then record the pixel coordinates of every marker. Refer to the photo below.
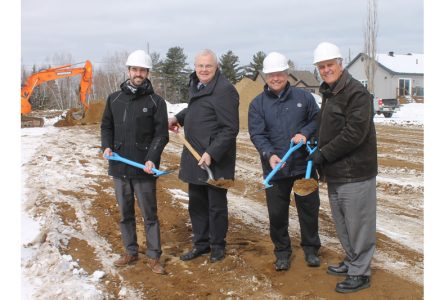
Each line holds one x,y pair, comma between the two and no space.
53,74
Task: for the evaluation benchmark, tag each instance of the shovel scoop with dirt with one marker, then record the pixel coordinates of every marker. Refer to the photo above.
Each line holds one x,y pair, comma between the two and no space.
221,182
306,186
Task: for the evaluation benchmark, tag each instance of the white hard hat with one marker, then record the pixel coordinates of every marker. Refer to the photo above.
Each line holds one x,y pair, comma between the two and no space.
139,58
275,62
325,51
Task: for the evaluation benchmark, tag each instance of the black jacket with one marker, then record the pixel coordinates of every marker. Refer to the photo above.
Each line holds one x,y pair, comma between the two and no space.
274,121
135,125
347,136
211,124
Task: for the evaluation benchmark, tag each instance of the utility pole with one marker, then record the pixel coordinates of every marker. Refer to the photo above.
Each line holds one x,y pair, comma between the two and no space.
148,47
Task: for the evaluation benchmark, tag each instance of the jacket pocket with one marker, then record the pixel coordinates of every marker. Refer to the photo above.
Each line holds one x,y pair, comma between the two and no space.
145,126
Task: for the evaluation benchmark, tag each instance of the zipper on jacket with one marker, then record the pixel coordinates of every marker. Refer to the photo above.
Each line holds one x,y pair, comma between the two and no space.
322,117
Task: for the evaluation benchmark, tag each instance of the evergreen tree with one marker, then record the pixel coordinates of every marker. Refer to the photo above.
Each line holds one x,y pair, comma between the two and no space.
256,65
229,66
175,75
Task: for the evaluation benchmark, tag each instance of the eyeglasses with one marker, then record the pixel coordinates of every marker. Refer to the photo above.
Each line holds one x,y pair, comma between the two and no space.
203,67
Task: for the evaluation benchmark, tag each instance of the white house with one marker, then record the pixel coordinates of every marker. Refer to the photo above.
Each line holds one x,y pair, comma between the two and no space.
397,75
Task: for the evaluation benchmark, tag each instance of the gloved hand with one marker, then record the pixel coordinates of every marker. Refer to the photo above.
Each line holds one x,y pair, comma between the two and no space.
317,157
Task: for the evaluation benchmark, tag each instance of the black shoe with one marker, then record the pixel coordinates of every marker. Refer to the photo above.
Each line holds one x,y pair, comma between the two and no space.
312,260
353,284
217,254
340,270
193,254
282,264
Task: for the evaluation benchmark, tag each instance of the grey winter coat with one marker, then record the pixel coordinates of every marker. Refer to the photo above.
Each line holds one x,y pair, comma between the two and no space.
135,125
211,124
347,136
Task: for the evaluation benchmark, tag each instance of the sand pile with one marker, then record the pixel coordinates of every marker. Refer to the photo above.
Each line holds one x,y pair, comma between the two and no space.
92,116
247,89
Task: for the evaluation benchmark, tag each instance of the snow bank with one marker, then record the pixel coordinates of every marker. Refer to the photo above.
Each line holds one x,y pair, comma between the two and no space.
175,108
409,114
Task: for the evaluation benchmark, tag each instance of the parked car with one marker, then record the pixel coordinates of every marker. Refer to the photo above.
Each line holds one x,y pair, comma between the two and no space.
387,107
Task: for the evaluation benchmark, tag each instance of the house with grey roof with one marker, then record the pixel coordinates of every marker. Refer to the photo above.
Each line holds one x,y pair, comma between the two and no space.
397,76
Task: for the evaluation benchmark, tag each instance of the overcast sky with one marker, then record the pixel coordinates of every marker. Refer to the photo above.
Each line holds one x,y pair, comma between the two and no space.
96,29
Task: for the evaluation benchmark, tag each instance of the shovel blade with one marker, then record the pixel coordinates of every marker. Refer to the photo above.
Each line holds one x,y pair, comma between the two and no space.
221,183
304,187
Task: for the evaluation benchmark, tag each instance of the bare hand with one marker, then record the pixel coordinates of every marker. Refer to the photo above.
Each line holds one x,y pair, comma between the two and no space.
274,161
173,125
298,137
107,152
205,159
148,166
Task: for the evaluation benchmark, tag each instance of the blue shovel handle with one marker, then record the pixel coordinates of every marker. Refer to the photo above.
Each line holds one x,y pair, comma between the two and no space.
117,157
310,162
292,149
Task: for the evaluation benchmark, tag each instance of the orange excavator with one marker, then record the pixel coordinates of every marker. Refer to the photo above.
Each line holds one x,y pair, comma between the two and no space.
53,74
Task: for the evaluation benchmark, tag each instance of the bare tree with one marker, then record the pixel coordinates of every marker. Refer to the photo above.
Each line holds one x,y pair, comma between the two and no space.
115,71
370,35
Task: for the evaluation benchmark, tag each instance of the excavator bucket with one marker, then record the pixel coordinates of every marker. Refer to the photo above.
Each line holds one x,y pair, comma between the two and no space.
76,114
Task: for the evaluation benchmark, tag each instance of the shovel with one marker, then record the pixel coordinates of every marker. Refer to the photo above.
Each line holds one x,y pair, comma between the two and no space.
220,183
292,149
117,157
306,186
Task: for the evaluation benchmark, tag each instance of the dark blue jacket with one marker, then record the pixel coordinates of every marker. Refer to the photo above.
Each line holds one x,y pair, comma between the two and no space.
273,121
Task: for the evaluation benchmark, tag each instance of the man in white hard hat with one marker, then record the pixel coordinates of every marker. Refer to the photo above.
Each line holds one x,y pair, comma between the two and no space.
279,114
347,161
211,124
135,125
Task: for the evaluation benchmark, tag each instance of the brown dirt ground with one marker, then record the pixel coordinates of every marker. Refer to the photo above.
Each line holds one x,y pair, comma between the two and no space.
246,273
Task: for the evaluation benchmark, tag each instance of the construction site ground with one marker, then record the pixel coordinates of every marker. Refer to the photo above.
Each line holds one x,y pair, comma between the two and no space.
67,186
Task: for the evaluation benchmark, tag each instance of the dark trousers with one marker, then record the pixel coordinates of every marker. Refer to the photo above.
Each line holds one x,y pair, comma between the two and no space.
278,201
209,216
145,191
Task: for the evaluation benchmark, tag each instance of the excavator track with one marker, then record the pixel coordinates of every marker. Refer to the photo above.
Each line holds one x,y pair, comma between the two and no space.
32,122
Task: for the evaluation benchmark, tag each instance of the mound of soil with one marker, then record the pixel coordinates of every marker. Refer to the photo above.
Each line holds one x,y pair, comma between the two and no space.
92,116
247,89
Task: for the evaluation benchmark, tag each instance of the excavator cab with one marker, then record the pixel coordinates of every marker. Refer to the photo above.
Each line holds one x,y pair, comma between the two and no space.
53,74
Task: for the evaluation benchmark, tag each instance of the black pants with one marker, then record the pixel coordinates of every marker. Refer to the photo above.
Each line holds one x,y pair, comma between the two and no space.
209,216
278,201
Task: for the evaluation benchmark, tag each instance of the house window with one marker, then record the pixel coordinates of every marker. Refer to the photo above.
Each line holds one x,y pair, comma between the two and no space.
404,87
418,91
364,83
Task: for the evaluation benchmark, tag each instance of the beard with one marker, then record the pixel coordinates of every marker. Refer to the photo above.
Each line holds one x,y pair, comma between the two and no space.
137,80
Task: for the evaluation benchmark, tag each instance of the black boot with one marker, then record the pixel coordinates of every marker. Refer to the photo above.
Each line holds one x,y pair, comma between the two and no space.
353,284
193,254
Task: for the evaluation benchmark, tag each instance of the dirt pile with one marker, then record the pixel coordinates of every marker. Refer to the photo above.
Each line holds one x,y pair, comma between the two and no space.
92,116
247,89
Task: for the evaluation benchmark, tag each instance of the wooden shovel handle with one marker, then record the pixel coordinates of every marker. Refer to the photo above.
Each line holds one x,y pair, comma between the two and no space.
189,147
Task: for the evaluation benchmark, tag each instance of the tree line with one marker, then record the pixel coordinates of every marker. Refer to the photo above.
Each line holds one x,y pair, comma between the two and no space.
169,76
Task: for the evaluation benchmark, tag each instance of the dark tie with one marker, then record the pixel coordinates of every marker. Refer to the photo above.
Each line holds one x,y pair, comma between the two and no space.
200,86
